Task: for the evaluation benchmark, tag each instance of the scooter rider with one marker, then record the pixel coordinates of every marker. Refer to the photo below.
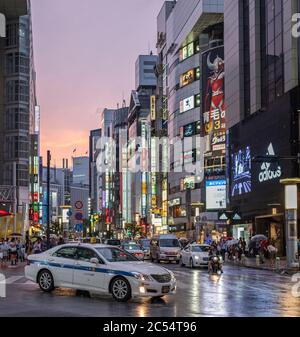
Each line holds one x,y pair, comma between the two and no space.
214,253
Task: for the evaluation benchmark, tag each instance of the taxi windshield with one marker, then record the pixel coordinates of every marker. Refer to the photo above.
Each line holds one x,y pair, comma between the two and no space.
116,255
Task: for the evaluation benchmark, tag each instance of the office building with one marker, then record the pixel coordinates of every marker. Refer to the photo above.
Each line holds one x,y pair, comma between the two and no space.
19,143
189,32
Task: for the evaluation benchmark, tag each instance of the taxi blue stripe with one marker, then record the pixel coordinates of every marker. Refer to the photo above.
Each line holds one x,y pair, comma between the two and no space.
68,266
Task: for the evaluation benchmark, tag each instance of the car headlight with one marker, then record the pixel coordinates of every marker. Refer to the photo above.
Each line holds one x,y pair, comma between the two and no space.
196,257
142,277
172,276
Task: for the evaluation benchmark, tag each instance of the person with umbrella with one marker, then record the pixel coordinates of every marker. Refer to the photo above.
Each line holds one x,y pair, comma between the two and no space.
13,251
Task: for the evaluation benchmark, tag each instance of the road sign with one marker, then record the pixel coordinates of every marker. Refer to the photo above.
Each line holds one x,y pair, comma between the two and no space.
79,227
78,216
78,205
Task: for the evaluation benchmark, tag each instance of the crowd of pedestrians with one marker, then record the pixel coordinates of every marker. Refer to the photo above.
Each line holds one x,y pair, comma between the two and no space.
14,250
11,251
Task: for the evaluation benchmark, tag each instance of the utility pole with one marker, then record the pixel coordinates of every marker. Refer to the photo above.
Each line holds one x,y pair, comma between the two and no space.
15,205
48,197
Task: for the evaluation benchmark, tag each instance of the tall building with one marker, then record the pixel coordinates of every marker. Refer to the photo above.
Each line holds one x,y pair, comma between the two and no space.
186,31
139,138
120,196
262,99
18,137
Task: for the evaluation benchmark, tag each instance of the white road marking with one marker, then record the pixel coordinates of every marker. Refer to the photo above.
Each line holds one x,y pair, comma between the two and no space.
12,279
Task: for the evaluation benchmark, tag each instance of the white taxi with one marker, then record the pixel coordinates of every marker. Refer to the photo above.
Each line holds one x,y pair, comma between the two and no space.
99,269
195,255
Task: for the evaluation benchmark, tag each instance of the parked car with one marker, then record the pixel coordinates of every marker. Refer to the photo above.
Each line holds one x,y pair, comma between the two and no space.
195,255
113,242
145,243
134,249
165,247
99,269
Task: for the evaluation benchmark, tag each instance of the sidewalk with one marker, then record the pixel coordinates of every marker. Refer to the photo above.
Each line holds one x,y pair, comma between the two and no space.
9,268
279,265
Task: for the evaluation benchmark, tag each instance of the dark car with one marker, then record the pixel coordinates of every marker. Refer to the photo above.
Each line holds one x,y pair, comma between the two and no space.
113,242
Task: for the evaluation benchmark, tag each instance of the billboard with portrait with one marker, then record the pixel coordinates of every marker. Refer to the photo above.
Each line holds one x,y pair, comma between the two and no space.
213,99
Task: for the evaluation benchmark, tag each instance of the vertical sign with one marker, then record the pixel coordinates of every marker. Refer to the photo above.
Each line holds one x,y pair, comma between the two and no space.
153,108
213,100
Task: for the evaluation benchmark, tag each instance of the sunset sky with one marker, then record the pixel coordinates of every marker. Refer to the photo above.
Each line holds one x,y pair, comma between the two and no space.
85,53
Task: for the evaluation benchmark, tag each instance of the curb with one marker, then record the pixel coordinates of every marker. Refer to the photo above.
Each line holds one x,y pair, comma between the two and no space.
279,270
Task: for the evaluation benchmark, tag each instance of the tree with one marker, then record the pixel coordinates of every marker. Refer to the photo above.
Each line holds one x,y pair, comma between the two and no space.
133,229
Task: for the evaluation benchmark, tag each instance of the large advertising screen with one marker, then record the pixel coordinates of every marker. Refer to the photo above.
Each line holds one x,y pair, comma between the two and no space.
241,172
213,100
216,194
254,179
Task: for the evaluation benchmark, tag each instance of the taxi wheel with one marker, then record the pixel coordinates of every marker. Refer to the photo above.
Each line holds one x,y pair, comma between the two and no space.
120,289
191,263
45,281
181,263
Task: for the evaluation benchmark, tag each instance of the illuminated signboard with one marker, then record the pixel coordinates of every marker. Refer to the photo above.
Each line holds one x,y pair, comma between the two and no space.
153,108
187,183
187,78
175,202
214,100
189,130
189,157
187,104
241,172
37,117
188,50
215,194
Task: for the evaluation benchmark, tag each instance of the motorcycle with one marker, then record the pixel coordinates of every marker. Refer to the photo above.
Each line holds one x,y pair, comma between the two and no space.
216,265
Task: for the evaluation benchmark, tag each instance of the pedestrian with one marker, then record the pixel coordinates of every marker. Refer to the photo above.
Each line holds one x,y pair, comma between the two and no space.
263,250
44,245
1,254
223,248
272,250
37,249
13,252
61,241
244,246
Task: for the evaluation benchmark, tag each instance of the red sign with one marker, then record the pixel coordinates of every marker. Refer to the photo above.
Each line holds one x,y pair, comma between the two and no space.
4,213
36,217
35,196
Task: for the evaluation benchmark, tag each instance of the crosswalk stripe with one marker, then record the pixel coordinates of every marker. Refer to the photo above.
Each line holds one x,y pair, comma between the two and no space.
12,279
29,282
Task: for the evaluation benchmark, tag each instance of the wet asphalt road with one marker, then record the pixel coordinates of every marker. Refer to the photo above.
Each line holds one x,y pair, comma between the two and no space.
238,292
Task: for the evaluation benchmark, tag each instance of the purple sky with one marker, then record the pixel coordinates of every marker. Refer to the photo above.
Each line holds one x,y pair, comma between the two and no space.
85,51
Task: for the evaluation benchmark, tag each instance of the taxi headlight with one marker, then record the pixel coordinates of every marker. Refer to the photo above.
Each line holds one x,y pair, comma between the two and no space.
172,276
142,277
196,257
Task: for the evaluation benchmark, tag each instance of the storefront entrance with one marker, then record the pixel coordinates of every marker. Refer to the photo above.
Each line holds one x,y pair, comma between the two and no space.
272,226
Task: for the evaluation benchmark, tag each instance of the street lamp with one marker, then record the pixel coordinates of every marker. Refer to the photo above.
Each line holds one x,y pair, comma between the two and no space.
291,207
